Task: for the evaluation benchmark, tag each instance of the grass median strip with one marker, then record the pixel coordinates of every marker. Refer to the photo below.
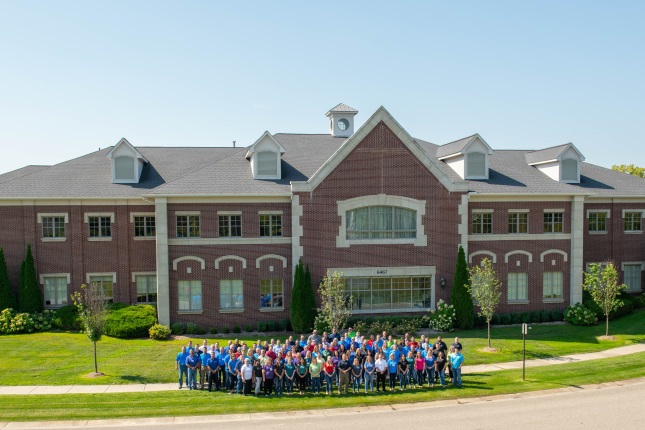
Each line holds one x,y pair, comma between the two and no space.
185,403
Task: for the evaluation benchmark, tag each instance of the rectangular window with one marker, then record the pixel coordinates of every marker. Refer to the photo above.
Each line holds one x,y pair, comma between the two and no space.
107,285
381,222
552,285
271,293
190,295
55,291
632,276
388,293
482,223
230,225
553,222
270,225
597,221
518,222
144,226
188,226
100,226
231,295
518,287
146,288
53,226
633,221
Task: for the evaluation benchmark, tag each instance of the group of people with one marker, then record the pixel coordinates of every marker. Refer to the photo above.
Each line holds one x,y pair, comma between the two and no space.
328,361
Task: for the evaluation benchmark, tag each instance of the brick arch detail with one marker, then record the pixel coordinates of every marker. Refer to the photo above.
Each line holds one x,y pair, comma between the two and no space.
553,251
476,253
230,257
267,256
176,261
518,251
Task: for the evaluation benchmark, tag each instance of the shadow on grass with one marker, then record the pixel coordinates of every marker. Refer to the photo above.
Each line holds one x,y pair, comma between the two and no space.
137,379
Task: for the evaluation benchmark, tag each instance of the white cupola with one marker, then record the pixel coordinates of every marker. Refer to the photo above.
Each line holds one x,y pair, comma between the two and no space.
341,120
127,163
266,156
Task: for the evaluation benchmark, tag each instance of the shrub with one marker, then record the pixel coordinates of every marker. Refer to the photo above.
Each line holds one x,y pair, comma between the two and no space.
130,321
262,326
117,306
213,330
526,317
639,301
159,332
200,329
495,319
286,325
480,321
320,324
505,319
580,315
13,322
191,328
236,329
67,318
226,330
178,328
535,316
516,318
557,315
545,316
248,328
627,307
270,325
443,318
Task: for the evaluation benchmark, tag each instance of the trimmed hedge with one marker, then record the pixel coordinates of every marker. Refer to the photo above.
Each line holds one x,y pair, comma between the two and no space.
178,328
67,318
130,321
159,332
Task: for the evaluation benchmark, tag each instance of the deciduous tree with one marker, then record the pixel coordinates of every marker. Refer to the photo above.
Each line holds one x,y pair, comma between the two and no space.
485,288
630,169
93,312
335,306
602,284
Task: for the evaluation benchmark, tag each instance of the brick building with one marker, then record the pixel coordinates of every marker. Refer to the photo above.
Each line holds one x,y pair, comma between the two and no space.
211,235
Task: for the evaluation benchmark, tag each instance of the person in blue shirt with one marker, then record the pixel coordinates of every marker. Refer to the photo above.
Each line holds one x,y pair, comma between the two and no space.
192,361
392,367
397,353
213,373
232,373
457,360
223,367
180,364
203,369
429,358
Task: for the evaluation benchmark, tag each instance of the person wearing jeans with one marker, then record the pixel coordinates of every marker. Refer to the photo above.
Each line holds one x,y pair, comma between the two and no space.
404,373
357,369
439,365
289,374
192,361
457,361
429,359
278,371
180,365
368,373
329,370
392,367
257,374
314,370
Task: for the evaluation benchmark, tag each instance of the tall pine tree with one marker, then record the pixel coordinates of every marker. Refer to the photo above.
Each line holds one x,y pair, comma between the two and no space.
298,307
7,298
30,298
310,299
460,296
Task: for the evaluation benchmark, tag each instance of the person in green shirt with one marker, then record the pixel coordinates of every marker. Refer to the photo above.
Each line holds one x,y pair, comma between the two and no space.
301,374
314,370
289,374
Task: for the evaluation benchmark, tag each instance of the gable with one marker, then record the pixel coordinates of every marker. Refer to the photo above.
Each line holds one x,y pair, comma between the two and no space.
383,140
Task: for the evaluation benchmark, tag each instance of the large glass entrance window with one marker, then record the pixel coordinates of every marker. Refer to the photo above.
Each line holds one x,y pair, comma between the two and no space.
389,293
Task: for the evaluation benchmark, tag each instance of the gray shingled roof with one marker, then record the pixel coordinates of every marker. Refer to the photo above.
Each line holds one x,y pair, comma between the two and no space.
546,154
342,107
453,147
212,171
19,173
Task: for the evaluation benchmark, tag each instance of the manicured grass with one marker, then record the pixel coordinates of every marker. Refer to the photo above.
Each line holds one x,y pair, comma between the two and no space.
192,403
65,358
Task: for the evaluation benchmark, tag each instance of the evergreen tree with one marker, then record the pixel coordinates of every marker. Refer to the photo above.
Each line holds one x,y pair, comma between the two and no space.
310,299
7,298
30,298
298,308
460,297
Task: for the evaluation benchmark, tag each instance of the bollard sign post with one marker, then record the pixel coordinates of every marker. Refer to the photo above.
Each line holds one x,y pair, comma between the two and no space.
525,331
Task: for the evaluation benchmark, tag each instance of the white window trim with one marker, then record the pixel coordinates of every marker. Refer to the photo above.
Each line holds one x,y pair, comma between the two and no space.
135,214
135,178
87,215
607,212
561,171
89,275
256,169
630,211
483,211
229,213
553,251
622,269
380,200
266,256
270,213
554,210
521,211
176,261
467,174
230,257
135,274
518,251
487,253
47,215
187,213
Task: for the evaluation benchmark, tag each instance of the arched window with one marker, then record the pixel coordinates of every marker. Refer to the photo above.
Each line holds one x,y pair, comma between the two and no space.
381,222
267,163
475,164
124,168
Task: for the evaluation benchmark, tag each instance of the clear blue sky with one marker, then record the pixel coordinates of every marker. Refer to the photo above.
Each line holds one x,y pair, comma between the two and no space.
76,76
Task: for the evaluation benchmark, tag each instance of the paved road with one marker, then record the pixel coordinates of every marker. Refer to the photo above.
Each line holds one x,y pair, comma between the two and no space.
604,406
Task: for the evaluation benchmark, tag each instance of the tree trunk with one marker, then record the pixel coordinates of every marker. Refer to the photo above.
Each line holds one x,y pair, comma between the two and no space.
607,325
96,367
488,333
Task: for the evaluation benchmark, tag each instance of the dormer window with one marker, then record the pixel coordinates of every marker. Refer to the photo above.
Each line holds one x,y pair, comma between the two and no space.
127,163
267,163
265,157
124,168
468,157
475,165
560,163
570,170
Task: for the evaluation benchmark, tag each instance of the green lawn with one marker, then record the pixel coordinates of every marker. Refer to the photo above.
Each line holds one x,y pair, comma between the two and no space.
64,358
192,403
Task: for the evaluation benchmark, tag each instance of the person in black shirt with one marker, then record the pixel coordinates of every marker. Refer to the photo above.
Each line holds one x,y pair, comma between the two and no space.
344,368
457,344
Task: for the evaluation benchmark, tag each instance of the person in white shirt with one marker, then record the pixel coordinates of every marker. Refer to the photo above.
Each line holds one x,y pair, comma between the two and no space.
381,371
247,376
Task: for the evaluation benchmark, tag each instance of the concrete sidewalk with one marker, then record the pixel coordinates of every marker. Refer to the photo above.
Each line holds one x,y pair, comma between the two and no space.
137,388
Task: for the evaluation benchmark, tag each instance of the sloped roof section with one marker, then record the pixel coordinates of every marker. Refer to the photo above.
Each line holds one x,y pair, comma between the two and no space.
547,154
453,147
341,107
19,173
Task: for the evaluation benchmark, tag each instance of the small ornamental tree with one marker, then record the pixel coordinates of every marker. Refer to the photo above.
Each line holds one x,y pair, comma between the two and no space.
335,305
93,312
485,288
603,286
460,297
30,299
298,320
7,298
